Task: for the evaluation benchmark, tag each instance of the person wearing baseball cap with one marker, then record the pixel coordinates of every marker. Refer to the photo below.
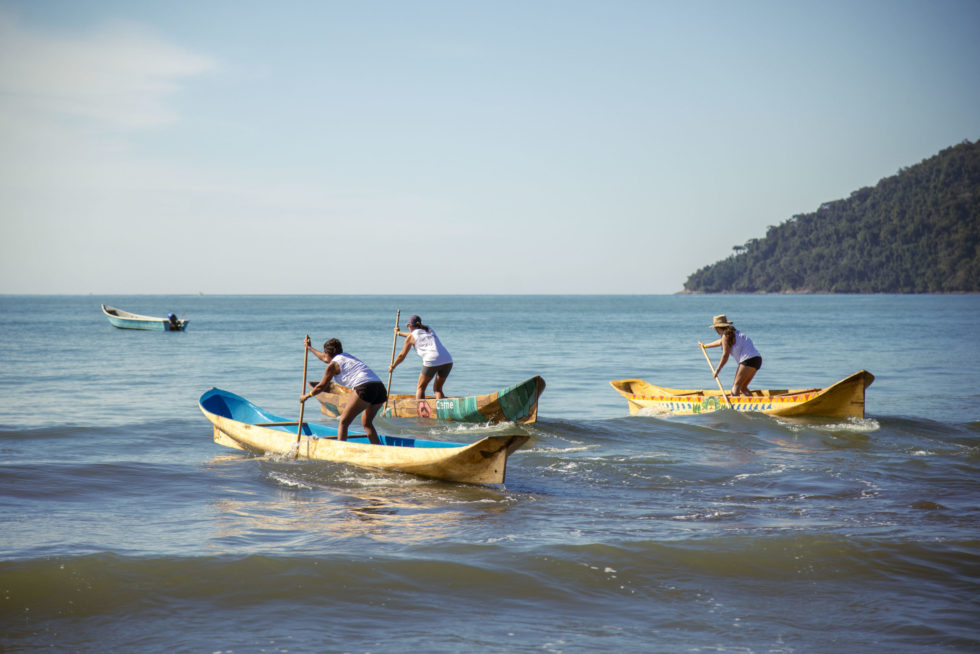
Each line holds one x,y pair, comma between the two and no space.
436,360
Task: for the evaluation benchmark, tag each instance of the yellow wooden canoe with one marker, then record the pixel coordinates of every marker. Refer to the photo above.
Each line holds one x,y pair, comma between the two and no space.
517,403
241,425
845,399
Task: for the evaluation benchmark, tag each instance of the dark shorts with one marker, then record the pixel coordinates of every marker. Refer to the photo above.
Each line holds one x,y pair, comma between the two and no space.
754,362
437,371
372,393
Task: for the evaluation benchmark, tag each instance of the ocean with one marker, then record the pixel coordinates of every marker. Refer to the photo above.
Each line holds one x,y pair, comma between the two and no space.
125,528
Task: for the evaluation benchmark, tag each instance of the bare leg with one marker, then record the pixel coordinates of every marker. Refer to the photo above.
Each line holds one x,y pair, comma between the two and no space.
367,421
423,406
354,406
743,376
422,385
437,386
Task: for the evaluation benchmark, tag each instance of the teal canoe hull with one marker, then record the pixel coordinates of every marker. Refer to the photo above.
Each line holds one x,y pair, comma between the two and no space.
126,320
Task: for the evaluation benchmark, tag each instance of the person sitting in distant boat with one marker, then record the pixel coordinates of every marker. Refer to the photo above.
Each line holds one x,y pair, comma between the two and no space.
436,361
174,323
736,344
369,390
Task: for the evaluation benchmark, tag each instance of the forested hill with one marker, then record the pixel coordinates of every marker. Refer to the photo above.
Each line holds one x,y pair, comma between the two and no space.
915,232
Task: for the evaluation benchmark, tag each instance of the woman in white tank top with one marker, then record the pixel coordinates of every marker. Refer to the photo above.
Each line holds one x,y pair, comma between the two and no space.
436,360
369,390
735,344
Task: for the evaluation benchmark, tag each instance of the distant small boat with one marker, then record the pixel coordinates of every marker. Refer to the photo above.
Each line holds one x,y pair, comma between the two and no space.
126,320
517,403
845,399
241,425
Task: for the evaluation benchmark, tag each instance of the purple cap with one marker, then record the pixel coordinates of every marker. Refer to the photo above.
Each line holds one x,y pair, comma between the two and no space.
414,320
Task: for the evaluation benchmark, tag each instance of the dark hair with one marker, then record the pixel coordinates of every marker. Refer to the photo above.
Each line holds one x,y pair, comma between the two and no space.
417,323
333,347
728,333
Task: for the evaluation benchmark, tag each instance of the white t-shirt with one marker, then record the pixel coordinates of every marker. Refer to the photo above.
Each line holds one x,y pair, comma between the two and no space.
353,371
743,348
430,348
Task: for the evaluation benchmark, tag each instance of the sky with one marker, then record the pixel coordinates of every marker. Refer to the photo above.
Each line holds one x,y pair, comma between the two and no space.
450,147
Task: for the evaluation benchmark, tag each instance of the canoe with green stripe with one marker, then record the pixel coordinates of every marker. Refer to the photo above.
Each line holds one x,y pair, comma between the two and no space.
517,403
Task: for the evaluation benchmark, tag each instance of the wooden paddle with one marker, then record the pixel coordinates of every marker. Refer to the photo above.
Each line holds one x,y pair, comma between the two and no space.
711,365
302,404
394,342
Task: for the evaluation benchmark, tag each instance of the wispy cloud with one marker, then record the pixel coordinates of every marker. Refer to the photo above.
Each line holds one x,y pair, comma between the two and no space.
120,75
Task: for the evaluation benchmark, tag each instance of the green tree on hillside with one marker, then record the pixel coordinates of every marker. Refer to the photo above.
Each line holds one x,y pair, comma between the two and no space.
915,232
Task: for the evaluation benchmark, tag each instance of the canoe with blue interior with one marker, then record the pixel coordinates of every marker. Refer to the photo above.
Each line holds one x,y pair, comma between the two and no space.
126,320
242,425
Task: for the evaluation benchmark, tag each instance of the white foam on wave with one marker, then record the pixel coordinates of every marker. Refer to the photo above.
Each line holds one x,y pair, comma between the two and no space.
653,412
558,450
775,470
291,482
852,425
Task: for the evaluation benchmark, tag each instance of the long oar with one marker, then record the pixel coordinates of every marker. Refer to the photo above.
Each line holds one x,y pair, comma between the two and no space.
394,342
302,404
720,387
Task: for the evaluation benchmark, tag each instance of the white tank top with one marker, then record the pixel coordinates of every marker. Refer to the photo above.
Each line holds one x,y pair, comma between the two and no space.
353,371
430,348
743,348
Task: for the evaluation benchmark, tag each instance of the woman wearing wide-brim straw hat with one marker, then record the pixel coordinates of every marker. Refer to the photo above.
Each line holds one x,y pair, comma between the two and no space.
735,344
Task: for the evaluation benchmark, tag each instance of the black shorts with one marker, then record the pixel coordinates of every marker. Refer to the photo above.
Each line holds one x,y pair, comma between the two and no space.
754,362
372,392
437,371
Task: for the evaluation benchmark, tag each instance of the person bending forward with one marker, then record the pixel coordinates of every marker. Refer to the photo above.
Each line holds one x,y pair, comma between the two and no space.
736,344
436,361
369,390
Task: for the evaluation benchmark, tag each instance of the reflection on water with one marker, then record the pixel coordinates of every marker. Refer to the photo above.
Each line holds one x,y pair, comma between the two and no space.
317,501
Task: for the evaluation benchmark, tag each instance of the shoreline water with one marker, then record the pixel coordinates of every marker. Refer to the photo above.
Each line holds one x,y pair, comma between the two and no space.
127,528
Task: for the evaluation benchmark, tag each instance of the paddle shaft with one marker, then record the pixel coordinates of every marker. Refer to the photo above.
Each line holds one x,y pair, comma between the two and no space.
720,387
394,342
302,404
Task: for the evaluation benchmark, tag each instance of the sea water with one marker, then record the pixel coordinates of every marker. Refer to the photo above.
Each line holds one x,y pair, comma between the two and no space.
123,527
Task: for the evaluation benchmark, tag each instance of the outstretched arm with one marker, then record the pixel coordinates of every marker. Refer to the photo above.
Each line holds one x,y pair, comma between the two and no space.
409,341
318,354
725,351
324,383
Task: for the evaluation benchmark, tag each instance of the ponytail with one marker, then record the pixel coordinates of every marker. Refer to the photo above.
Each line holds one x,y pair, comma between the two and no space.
416,323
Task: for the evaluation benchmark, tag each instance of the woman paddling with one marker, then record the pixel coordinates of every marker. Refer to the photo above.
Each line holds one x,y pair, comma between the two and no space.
436,360
369,390
738,345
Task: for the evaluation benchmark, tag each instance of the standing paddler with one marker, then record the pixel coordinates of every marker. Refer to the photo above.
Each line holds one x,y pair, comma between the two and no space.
436,360
369,390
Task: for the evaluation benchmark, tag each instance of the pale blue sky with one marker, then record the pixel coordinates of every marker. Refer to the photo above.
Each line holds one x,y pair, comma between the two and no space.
450,147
